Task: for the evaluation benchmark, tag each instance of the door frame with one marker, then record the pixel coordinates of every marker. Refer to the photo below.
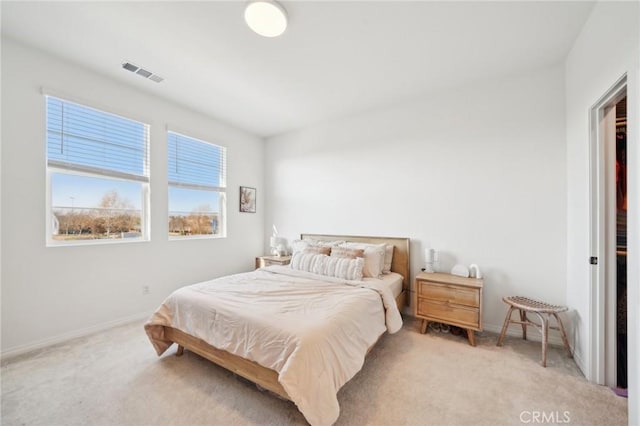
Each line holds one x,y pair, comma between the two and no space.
602,235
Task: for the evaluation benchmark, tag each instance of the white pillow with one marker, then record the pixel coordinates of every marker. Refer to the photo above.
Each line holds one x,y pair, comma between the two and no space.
309,262
322,243
373,257
338,267
342,267
300,245
388,258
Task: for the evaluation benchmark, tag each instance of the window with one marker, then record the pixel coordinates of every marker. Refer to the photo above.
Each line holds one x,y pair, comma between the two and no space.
98,175
197,187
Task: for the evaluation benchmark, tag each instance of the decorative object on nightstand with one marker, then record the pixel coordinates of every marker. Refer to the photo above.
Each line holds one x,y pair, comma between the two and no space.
429,259
543,311
460,271
281,247
474,271
449,299
262,261
278,244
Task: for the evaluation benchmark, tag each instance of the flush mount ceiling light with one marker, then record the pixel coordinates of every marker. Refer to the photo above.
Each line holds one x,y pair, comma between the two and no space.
266,17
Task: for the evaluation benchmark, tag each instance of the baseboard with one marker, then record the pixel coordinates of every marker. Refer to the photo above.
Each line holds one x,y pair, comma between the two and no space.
61,338
580,363
515,330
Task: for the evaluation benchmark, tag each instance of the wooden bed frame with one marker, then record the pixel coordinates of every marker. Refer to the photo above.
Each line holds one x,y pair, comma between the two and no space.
266,377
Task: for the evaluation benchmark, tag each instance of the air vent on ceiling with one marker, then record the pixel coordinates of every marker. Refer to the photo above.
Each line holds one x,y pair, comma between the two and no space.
129,67
141,72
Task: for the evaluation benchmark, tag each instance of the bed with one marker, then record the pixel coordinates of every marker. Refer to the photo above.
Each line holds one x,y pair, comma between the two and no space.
283,356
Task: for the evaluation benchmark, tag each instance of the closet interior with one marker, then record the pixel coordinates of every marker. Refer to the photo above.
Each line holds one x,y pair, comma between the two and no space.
621,241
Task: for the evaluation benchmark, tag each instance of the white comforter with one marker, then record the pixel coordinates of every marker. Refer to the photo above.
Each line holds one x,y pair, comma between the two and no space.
313,330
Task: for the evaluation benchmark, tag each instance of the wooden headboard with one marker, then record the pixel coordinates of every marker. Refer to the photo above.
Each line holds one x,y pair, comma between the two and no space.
400,263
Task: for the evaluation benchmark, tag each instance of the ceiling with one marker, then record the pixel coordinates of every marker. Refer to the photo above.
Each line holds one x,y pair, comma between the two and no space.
335,59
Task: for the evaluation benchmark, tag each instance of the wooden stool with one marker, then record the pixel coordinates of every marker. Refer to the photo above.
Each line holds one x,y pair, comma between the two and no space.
544,311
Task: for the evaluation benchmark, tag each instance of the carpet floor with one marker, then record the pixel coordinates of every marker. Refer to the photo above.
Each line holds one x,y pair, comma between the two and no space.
115,378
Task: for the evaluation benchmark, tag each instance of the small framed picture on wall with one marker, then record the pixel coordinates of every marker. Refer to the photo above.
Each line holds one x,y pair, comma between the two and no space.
247,199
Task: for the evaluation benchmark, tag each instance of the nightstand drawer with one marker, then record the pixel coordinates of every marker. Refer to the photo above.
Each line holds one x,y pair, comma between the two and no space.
451,314
448,293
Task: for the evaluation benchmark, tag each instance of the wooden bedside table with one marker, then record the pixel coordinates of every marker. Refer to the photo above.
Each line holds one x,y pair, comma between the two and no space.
262,261
449,299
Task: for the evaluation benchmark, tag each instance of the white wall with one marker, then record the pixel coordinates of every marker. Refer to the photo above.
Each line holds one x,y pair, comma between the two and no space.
606,49
478,173
52,293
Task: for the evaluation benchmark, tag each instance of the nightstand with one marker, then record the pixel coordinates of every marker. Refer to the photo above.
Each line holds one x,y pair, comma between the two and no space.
449,299
262,261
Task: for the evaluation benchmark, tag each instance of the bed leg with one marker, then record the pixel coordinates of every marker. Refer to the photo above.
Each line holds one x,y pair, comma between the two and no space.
180,350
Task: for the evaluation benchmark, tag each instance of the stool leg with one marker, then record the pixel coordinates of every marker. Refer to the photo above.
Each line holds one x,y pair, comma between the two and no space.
564,335
523,319
544,325
505,326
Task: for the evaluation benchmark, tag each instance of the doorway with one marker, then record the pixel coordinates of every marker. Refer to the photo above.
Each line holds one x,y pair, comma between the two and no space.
608,235
608,347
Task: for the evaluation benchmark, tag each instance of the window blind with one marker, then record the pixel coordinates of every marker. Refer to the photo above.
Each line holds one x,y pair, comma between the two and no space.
195,164
84,139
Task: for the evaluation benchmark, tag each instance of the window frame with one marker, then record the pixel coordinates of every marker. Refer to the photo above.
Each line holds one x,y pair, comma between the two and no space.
69,169
221,190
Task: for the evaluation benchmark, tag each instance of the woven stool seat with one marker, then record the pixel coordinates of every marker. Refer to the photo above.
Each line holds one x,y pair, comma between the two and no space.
543,311
533,305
